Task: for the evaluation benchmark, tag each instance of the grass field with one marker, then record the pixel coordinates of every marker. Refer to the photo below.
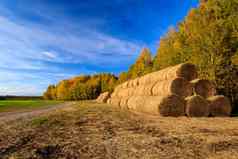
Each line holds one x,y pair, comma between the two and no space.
18,105
89,130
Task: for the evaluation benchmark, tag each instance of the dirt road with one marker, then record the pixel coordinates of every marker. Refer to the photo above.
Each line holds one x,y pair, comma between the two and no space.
10,116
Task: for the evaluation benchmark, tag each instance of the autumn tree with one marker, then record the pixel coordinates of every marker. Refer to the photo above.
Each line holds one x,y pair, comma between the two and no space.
81,87
123,77
62,90
208,38
50,93
142,66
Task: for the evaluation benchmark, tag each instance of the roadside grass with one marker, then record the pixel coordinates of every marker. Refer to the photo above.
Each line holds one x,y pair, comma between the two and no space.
19,105
39,121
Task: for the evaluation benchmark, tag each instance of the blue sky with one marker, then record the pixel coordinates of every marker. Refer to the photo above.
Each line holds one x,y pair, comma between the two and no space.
44,41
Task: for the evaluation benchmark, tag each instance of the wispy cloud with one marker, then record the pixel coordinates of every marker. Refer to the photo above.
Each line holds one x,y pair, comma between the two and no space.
31,46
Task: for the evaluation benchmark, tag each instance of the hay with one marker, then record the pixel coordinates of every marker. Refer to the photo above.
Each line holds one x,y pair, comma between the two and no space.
115,101
124,103
186,70
171,105
147,104
114,94
135,82
125,92
109,101
134,102
124,85
178,86
139,91
103,97
197,106
204,88
144,90
219,106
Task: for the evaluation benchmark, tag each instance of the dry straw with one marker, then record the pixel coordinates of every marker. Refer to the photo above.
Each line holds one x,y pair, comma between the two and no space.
134,102
171,105
109,101
177,86
187,71
103,97
125,92
124,103
197,106
219,106
203,88
144,90
115,101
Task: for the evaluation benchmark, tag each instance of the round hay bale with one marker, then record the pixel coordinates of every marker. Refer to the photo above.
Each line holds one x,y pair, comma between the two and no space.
171,105
144,90
220,106
187,70
109,101
134,102
130,84
124,85
135,82
124,103
148,104
125,92
139,91
204,88
178,86
103,97
115,101
197,106
148,89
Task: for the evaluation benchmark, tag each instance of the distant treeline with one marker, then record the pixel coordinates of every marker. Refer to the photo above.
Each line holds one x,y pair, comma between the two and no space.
20,97
207,37
81,87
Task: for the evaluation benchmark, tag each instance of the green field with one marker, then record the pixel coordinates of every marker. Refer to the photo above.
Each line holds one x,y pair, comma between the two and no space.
22,105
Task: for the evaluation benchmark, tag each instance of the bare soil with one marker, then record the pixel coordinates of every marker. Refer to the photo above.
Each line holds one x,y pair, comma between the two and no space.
88,130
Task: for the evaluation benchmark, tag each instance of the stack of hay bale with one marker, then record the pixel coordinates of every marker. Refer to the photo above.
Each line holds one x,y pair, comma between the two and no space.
103,97
174,91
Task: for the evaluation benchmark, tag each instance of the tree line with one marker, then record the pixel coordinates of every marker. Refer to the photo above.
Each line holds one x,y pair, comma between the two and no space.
207,37
82,87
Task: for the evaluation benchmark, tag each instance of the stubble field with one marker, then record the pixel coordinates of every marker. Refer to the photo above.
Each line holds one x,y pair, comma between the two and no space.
89,130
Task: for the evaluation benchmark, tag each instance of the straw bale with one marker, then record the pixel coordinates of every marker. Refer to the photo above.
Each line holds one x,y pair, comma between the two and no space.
197,106
220,106
177,86
187,71
115,101
203,88
171,105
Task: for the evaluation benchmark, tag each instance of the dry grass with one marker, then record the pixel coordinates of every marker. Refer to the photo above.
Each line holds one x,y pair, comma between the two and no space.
89,130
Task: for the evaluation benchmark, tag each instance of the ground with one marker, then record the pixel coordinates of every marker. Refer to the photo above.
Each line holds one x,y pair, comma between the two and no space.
24,105
89,130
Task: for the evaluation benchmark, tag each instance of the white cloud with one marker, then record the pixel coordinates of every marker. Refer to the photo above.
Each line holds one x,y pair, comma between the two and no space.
31,46
50,55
